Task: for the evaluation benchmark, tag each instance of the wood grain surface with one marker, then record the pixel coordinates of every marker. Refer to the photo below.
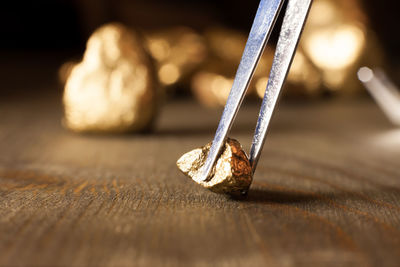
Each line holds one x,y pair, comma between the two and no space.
326,191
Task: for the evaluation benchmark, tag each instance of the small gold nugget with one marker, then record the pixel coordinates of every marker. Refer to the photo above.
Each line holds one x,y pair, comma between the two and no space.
232,173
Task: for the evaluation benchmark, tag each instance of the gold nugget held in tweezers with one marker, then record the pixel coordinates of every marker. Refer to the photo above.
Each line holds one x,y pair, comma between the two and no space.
222,165
232,173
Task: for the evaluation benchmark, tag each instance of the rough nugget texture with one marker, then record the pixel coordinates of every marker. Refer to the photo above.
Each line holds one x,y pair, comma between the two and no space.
113,89
232,173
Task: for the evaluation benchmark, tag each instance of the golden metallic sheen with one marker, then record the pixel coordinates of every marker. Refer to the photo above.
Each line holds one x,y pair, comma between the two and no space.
177,52
232,173
113,89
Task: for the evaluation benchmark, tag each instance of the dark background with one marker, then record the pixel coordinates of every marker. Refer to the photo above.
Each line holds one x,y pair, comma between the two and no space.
59,29
66,24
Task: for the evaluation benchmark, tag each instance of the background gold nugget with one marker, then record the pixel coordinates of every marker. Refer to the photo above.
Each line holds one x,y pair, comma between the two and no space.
177,51
113,89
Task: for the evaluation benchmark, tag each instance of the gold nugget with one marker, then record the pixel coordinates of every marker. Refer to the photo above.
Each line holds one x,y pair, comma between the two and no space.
177,52
232,173
113,89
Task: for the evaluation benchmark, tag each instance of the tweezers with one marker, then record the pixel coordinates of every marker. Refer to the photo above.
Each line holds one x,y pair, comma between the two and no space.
264,21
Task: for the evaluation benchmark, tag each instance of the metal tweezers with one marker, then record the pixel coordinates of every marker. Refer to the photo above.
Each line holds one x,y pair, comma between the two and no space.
293,23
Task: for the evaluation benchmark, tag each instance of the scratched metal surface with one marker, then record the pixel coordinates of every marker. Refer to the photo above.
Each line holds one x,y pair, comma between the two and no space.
292,26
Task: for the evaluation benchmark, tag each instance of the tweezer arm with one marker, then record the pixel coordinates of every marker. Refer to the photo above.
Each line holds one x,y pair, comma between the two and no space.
260,31
293,23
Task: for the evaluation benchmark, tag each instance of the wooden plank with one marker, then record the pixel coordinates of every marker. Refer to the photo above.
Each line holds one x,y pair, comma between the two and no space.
326,192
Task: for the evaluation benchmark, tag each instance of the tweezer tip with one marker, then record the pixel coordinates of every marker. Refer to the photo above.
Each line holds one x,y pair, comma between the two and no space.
205,170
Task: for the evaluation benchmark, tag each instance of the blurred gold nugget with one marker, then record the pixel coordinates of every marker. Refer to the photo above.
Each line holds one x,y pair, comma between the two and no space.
226,44
177,52
211,89
65,71
212,83
232,173
334,40
113,89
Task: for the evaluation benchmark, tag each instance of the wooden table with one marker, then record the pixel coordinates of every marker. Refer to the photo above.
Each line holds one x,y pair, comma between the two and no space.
326,192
